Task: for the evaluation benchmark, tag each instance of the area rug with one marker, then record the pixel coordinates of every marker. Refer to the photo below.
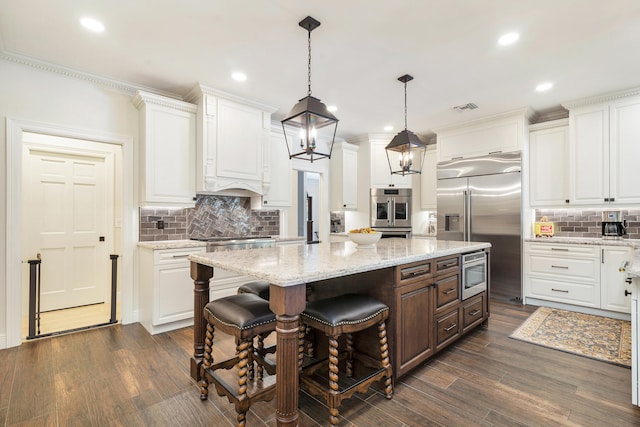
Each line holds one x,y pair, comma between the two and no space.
596,337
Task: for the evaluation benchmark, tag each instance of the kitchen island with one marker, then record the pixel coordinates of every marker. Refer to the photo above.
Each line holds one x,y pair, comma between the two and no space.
316,271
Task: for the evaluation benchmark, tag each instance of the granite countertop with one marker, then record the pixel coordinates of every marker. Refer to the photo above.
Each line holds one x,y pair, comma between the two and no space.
634,269
172,244
634,243
290,265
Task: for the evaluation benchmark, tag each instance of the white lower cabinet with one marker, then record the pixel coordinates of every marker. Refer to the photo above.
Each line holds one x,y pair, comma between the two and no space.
166,288
225,283
583,275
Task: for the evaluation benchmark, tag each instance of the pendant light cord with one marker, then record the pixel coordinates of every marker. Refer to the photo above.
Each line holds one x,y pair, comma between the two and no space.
405,105
309,67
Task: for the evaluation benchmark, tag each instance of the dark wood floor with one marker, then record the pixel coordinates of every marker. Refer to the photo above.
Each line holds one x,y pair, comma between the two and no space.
121,375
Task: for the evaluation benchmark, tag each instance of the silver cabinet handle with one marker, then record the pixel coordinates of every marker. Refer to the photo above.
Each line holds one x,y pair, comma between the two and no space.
560,249
181,256
450,327
447,292
475,312
560,290
560,266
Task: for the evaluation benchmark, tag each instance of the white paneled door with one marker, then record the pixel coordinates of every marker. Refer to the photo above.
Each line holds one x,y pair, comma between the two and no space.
67,207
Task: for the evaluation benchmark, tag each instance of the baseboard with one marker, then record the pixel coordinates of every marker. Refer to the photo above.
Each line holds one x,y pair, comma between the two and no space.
579,309
3,341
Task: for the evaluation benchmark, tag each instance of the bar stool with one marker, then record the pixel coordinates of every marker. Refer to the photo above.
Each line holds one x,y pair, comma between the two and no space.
346,314
258,287
245,316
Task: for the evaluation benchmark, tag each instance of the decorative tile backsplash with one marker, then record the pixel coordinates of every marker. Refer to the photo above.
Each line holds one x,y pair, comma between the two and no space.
213,216
588,222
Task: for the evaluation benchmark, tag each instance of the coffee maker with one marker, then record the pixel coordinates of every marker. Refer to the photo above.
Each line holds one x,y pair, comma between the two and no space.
613,226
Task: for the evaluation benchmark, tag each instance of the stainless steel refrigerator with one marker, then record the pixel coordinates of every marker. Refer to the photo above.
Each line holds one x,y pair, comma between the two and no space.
479,200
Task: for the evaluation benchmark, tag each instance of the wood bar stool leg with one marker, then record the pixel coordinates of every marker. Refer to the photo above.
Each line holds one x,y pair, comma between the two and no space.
349,368
334,392
206,361
242,350
384,355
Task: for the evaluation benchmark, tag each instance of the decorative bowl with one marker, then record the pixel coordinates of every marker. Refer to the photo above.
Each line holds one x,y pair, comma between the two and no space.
365,240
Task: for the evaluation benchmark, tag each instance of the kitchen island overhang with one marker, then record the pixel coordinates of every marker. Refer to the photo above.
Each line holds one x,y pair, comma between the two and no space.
292,268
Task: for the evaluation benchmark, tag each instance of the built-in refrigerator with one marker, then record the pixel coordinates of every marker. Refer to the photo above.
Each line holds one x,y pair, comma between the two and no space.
479,200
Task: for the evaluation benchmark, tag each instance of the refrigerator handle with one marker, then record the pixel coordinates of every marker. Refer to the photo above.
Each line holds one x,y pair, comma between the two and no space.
468,216
389,211
465,229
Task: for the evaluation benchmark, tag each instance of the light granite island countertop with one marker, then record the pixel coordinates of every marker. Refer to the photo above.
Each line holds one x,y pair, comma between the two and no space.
289,269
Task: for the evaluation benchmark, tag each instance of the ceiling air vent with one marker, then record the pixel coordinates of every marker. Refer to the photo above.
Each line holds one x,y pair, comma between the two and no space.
465,107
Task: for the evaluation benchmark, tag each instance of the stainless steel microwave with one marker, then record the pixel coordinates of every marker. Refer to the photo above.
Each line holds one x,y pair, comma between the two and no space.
391,207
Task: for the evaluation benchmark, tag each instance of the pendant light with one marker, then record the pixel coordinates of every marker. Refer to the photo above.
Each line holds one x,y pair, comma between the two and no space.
308,115
406,145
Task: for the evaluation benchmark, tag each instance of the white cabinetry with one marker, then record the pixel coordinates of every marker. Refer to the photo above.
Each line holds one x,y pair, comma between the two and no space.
496,134
615,294
344,176
279,191
583,275
381,176
167,150
166,288
234,134
549,164
603,152
429,181
225,283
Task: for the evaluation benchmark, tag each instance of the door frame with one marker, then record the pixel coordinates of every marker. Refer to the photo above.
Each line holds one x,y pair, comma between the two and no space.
125,236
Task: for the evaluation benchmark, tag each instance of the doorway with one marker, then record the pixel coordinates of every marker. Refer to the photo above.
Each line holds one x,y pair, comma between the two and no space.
68,204
308,205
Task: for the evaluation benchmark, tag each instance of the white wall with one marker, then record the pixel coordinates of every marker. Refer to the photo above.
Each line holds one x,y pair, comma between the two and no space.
55,100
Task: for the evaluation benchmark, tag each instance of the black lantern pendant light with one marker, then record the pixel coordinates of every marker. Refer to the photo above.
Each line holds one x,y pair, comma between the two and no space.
308,115
406,145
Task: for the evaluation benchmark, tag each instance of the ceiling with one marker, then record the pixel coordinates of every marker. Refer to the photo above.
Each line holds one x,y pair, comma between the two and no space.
584,47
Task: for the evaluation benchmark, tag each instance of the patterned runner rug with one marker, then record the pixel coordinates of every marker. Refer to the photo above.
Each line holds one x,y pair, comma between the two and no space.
597,337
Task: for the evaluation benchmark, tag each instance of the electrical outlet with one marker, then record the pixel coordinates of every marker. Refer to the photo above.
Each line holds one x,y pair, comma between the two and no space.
160,224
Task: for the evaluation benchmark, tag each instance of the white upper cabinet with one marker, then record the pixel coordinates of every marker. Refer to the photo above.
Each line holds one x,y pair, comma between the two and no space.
279,191
233,137
343,172
429,181
495,134
167,150
549,163
381,176
603,150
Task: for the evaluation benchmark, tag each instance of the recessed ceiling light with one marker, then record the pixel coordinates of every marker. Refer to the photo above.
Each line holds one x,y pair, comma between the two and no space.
388,128
544,86
332,108
92,24
239,77
508,39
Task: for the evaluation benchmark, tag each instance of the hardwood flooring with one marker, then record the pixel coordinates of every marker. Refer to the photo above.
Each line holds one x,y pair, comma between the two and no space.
122,376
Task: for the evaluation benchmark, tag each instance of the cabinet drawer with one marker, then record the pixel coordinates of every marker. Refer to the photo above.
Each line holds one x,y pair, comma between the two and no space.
169,256
410,273
447,290
446,265
582,270
561,250
447,327
574,293
472,311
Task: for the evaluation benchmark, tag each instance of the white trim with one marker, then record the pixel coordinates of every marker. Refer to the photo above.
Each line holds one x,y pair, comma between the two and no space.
578,308
599,99
14,130
3,341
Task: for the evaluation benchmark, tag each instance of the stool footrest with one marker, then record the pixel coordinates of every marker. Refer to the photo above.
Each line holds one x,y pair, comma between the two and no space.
318,383
226,384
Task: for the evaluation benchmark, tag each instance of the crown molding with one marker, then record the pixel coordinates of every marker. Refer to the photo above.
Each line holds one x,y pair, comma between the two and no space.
598,99
199,90
117,85
141,98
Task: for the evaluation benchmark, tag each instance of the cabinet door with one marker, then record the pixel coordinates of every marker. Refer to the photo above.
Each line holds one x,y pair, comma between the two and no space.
414,335
429,181
589,155
350,179
280,189
549,167
167,150
612,282
381,176
174,299
239,141
625,151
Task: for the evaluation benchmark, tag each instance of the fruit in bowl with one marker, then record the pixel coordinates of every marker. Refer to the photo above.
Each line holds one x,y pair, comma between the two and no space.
364,237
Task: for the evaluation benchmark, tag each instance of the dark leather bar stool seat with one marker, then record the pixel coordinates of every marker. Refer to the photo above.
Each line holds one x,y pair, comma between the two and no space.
346,314
258,287
245,316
